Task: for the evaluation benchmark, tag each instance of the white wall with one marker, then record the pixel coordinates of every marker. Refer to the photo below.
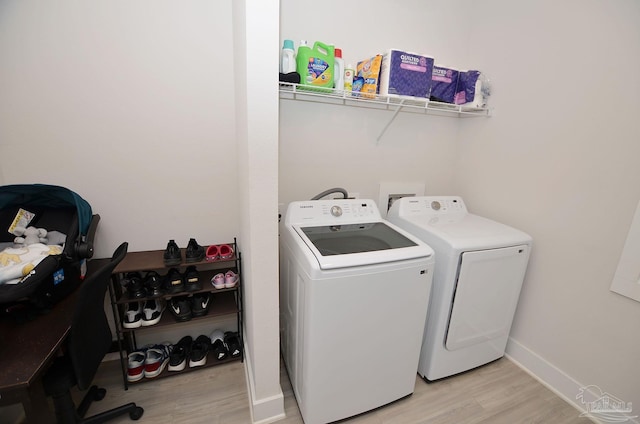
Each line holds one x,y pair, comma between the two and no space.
131,105
324,146
255,42
559,160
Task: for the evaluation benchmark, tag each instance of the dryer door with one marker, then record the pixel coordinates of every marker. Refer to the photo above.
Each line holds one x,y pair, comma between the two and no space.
486,295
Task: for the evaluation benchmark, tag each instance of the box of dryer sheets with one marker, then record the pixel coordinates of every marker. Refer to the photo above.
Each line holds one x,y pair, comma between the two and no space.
406,74
444,82
369,70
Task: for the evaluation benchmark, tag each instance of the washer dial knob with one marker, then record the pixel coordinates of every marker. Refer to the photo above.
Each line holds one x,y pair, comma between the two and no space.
336,211
435,205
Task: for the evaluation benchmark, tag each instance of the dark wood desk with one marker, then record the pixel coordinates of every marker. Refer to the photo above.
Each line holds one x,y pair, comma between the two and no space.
26,350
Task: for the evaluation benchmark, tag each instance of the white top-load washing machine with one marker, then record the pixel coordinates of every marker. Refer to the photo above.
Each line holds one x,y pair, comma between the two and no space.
354,292
480,266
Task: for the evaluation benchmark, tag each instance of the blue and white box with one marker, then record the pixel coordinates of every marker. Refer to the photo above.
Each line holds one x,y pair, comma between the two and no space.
405,74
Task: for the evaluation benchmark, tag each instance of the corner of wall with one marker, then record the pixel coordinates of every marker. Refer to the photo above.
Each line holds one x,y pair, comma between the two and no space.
266,410
550,376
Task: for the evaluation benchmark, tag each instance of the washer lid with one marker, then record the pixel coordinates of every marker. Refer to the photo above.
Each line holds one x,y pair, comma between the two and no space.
348,245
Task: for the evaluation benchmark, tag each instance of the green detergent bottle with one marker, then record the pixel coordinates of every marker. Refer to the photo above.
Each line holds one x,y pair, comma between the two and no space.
316,67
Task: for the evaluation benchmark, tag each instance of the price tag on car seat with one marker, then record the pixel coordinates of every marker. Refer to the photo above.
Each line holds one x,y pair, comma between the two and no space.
22,219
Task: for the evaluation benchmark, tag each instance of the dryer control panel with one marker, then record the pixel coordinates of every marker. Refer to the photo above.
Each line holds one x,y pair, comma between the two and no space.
428,206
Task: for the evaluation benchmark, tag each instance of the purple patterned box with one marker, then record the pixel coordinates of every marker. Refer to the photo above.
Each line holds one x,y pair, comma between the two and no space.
443,84
405,74
468,90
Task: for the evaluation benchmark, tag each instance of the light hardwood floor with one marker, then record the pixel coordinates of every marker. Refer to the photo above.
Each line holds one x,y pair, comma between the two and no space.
498,393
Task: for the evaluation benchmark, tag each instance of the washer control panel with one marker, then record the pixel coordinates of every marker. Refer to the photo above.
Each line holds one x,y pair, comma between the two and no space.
428,205
319,212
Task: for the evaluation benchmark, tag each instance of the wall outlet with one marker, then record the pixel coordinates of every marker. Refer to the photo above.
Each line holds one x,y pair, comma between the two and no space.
390,192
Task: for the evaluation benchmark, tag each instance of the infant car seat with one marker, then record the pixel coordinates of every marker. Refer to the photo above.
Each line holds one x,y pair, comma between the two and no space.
57,275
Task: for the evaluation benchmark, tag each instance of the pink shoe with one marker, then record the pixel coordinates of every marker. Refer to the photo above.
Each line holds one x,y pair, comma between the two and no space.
218,281
226,251
230,279
213,254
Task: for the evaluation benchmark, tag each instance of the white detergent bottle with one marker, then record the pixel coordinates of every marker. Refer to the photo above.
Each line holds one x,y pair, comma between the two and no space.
348,78
287,58
338,75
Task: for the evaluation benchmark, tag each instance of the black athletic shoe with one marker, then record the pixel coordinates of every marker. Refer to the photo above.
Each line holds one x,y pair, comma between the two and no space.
218,346
173,281
172,255
153,283
134,285
195,252
199,350
192,279
180,354
180,308
232,340
200,304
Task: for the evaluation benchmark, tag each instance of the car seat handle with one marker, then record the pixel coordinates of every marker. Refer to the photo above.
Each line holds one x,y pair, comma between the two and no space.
84,244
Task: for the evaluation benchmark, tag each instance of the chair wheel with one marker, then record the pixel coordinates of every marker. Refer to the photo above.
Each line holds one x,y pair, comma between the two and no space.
136,413
99,394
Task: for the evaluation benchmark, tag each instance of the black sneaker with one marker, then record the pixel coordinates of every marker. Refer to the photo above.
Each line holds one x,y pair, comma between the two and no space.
172,255
173,281
180,353
153,283
200,304
192,279
180,308
199,350
218,345
195,252
232,340
133,284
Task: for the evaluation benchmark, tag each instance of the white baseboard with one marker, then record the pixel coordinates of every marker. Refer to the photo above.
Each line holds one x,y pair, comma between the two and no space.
550,376
266,410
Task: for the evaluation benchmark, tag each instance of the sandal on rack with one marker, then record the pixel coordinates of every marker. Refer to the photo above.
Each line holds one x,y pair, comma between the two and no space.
226,251
213,254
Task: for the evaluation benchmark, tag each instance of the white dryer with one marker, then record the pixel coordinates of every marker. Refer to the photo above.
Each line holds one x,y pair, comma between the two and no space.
354,292
480,266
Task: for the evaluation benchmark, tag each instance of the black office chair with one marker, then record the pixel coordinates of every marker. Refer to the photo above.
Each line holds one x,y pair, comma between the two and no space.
88,342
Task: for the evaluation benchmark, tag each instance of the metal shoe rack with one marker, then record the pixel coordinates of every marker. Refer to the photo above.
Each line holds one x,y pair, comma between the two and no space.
224,302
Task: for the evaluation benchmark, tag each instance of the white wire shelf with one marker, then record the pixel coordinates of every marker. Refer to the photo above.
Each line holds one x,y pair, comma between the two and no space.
289,91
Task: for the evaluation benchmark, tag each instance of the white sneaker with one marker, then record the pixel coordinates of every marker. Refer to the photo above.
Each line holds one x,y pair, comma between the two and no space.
230,279
157,358
132,315
152,312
